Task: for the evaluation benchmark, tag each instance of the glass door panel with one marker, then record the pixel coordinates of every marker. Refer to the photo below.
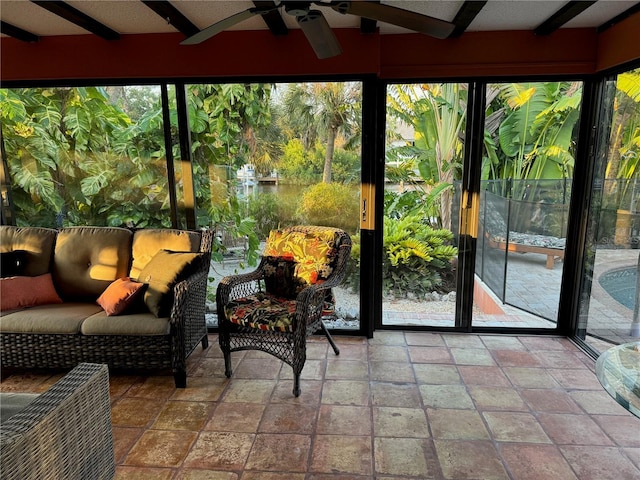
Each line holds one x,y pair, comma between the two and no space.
423,161
609,306
268,156
528,159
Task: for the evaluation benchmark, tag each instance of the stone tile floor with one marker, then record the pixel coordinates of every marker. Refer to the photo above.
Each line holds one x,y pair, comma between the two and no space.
403,405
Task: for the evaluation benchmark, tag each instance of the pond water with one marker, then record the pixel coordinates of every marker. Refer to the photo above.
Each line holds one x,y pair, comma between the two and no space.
621,285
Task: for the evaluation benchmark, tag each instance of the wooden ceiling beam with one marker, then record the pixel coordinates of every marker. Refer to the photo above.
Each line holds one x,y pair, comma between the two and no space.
569,11
467,13
17,32
173,16
75,16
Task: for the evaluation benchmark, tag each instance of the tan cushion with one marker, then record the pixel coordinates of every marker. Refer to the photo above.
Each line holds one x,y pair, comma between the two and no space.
38,243
134,324
120,295
148,242
88,259
60,318
162,273
20,292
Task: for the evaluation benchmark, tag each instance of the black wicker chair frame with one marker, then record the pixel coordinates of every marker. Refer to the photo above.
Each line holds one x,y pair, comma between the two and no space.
188,328
290,347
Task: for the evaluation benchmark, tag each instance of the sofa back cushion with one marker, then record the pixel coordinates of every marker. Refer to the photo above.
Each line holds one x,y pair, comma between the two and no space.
148,242
35,244
88,259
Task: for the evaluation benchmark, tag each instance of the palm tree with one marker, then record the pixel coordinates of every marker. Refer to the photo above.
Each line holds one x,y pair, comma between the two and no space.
323,110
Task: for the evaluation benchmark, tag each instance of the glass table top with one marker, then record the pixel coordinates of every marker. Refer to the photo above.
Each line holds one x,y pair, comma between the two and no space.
618,370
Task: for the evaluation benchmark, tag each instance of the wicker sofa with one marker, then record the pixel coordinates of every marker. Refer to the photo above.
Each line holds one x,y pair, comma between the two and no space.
158,330
64,432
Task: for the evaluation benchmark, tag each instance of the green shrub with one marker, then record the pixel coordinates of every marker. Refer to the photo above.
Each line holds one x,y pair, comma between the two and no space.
272,211
331,205
415,256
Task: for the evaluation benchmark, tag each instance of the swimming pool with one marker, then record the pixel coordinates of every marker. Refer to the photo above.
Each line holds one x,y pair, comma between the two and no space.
621,285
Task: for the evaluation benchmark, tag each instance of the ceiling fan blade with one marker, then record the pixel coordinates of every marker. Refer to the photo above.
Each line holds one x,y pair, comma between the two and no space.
222,25
396,16
319,34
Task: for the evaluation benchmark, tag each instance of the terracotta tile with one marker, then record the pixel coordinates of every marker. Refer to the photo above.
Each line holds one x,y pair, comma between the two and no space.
135,412
220,451
211,367
342,454
387,338
400,422
496,398
236,417
429,355
480,375
344,420
142,473
542,343
248,391
326,476
536,462
515,358
390,372
183,416
405,456
463,341
193,474
343,392
480,460
622,429
526,377
161,448
352,351
340,369
436,374
549,400
312,370
597,402
280,452
318,350
201,389
502,342
153,387
120,384
264,368
565,429
576,379
271,476
285,418
599,463
446,396
424,339
515,427
633,454
472,356
123,440
310,395
388,353
451,424
395,394
560,359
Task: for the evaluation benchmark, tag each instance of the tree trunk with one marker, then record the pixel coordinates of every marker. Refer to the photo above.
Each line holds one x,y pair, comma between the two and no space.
328,159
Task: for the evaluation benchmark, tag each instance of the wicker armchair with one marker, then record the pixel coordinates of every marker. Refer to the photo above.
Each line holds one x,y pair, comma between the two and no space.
65,433
275,307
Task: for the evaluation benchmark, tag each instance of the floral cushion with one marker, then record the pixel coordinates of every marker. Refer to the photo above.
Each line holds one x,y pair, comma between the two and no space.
262,311
313,252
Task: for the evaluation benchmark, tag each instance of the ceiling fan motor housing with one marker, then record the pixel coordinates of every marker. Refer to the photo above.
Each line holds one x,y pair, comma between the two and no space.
297,9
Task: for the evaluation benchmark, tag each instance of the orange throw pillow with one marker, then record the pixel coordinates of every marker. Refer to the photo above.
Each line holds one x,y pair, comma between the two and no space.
20,292
119,296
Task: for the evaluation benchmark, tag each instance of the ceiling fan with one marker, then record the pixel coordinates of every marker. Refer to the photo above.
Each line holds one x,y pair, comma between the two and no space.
316,28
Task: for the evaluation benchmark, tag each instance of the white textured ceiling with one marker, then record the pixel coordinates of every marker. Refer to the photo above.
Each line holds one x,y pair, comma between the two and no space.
132,16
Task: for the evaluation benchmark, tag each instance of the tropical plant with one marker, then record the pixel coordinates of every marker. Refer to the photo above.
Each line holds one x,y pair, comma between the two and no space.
325,111
437,114
415,256
330,204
